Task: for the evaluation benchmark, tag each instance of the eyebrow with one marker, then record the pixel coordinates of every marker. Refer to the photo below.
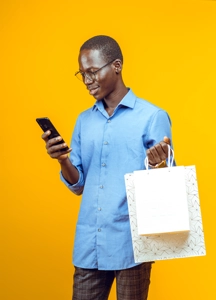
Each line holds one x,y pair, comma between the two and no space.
88,69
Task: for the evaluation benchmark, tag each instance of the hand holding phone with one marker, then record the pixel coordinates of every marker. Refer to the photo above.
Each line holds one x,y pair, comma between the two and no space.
46,125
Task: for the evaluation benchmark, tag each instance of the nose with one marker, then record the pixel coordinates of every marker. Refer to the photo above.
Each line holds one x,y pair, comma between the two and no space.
87,79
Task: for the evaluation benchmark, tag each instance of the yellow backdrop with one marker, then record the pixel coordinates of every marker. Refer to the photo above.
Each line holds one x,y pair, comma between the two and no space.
169,50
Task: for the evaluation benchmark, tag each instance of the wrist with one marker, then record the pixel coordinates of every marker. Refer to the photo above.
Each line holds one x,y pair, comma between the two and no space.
62,160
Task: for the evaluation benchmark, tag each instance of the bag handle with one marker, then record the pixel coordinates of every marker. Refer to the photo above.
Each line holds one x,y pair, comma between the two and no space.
169,160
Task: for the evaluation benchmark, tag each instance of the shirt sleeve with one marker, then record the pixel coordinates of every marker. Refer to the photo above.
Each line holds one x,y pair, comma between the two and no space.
75,158
159,127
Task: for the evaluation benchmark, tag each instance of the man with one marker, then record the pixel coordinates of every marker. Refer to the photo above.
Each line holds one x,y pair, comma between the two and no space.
109,140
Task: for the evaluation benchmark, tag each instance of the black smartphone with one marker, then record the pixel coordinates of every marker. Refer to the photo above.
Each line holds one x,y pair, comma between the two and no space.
46,124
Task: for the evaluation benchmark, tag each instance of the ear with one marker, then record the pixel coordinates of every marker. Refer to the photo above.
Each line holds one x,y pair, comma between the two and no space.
117,65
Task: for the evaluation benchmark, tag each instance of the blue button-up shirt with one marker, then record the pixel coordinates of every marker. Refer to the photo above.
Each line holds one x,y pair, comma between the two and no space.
105,148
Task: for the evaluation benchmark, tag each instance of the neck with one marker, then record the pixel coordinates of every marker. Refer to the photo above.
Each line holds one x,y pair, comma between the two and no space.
112,100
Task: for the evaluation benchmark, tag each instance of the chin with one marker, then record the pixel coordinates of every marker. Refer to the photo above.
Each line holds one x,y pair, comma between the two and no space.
98,97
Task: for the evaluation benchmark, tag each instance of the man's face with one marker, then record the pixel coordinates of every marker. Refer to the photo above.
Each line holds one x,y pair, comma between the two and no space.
105,80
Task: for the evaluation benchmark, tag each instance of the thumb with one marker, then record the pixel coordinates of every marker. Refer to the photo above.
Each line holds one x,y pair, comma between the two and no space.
167,140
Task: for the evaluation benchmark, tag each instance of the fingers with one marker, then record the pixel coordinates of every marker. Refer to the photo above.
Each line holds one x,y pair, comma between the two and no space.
55,148
158,152
45,135
55,141
55,152
52,148
167,140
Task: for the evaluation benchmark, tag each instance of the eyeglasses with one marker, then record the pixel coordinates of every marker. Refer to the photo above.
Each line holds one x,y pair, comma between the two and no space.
91,75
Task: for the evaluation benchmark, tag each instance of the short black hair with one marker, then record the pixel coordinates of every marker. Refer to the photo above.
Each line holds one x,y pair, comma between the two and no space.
108,46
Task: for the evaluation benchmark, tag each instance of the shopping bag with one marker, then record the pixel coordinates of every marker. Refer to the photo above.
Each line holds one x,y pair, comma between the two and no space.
165,246
161,200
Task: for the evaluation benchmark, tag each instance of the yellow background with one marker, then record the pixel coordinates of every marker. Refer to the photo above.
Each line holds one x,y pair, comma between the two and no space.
169,58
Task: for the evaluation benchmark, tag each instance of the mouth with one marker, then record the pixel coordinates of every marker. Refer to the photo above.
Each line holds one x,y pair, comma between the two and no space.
93,90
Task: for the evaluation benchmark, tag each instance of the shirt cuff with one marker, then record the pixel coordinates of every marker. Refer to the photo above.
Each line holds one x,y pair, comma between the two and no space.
76,188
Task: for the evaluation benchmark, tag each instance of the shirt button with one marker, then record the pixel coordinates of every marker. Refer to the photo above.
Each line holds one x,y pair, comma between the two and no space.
99,208
101,186
109,121
99,229
106,143
103,164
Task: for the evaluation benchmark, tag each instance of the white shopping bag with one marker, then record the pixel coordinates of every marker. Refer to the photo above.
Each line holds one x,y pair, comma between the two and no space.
181,244
161,200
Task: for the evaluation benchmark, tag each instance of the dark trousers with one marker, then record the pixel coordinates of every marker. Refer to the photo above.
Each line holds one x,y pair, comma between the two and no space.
93,284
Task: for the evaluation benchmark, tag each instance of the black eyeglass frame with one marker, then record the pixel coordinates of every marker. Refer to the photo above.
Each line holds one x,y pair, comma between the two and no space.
92,73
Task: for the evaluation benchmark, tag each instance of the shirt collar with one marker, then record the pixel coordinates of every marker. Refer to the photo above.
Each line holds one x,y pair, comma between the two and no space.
128,100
